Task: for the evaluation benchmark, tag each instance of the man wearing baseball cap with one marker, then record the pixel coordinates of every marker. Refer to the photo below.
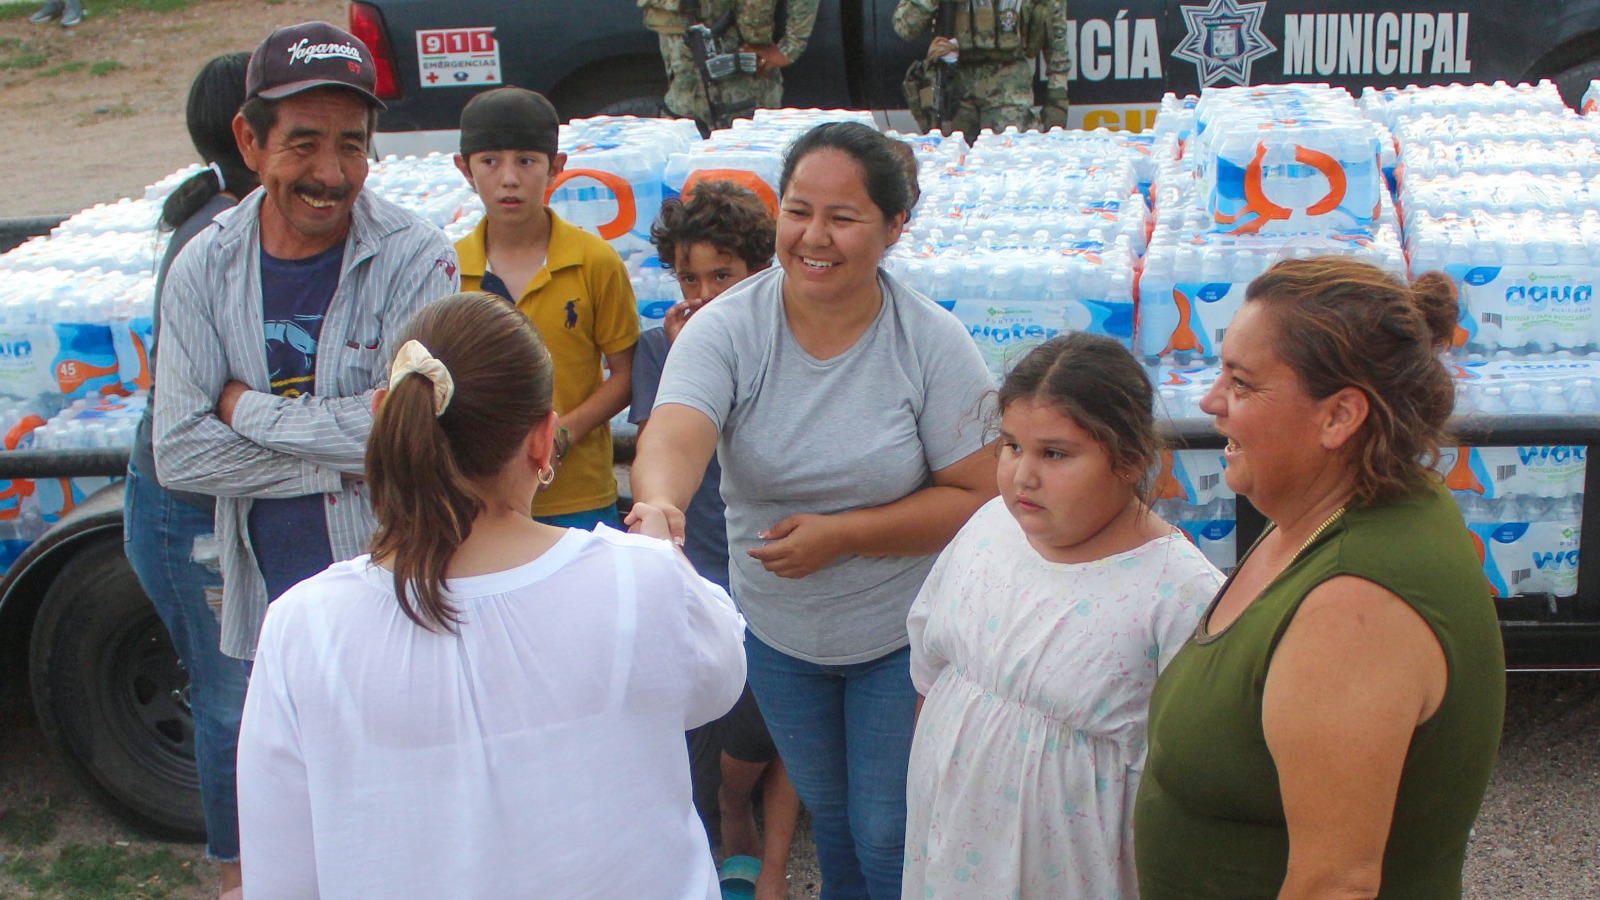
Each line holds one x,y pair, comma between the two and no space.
279,322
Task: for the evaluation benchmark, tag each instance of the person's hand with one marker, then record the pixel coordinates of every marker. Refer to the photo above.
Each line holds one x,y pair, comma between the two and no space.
1054,112
678,316
798,546
940,47
658,521
768,57
231,392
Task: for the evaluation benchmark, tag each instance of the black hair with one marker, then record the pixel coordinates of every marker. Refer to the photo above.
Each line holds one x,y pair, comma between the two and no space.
883,166
1097,383
719,213
214,100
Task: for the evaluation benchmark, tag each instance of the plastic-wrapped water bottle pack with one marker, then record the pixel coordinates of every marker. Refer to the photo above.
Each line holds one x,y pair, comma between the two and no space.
1194,283
1393,105
1287,159
1542,127
1432,160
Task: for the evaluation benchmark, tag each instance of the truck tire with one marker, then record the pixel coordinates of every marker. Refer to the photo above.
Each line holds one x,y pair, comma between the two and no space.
624,86
111,696
1573,82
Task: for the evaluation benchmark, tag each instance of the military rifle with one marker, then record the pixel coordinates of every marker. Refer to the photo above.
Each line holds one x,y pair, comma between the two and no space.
714,65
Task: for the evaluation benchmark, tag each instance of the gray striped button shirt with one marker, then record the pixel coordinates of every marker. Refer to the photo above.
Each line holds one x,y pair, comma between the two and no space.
212,332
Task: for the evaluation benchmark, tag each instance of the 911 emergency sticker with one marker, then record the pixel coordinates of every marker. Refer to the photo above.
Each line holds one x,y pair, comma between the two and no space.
458,57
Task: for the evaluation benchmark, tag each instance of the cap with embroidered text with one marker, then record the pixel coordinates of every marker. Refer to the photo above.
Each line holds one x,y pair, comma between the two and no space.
310,55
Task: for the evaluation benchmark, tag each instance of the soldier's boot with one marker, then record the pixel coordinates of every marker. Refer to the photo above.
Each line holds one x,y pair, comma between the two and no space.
72,13
47,11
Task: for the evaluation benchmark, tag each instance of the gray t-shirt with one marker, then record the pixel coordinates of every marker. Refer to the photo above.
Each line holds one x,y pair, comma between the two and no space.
802,435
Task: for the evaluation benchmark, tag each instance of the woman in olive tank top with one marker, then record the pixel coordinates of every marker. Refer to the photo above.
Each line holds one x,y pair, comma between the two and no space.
1330,728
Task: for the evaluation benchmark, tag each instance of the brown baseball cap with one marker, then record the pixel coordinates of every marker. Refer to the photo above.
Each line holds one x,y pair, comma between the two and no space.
310,55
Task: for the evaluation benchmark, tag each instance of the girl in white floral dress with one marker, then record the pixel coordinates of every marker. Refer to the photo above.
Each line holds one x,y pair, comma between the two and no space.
1037,637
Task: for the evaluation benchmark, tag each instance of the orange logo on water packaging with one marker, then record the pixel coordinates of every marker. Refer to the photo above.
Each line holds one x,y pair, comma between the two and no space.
750,181
1183,336
87,361
627,207
1167,486
1258,209
1461,476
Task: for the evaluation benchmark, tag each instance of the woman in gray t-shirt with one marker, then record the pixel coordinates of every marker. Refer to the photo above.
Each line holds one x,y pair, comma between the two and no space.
844,408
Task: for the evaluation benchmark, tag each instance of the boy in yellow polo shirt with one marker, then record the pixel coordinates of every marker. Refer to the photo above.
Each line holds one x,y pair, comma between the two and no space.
569,283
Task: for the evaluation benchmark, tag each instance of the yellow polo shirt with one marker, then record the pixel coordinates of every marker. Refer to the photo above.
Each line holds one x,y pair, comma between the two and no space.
582,305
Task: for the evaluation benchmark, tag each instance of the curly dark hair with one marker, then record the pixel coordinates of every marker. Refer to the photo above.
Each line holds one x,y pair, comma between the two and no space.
1340,323
719,213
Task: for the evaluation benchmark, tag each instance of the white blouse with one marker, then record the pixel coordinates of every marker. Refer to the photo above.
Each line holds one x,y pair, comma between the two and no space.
538,752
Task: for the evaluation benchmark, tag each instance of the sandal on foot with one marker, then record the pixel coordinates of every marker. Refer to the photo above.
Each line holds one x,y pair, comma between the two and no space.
738,875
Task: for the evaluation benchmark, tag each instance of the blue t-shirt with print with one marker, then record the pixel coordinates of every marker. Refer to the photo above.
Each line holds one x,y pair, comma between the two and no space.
290,535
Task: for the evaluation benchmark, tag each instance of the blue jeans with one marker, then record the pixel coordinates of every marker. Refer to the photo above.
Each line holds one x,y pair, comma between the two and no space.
587,519
845,734
158,537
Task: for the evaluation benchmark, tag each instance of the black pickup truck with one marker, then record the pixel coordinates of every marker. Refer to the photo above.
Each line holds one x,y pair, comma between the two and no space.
597,57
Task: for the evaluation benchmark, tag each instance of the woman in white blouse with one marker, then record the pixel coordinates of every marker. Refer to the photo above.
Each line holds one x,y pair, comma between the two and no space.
485,705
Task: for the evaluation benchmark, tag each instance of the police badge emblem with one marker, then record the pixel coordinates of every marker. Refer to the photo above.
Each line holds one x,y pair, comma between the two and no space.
1223,39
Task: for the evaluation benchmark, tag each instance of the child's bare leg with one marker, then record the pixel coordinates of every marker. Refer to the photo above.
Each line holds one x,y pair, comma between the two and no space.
739,780
780,808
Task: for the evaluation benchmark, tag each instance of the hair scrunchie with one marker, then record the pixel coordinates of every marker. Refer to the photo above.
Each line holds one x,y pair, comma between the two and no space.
222,181
414,358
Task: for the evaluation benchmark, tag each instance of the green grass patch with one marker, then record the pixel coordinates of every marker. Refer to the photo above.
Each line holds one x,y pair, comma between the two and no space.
145,5
17,54
28,824
17,10
105,67
76,65
26,8
103,872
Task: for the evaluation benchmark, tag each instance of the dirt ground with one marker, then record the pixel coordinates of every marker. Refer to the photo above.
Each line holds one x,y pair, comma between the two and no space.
95,113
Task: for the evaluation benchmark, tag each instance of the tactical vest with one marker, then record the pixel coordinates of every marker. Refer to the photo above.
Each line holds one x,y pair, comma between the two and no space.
993,30
754,21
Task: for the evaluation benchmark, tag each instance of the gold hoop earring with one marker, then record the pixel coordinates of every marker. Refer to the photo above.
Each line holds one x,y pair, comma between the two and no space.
546,475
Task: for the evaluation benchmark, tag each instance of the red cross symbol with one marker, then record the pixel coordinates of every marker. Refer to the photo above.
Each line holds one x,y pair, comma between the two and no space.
432,77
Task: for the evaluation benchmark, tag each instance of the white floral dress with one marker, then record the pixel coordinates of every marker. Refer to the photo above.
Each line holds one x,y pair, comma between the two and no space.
1031,741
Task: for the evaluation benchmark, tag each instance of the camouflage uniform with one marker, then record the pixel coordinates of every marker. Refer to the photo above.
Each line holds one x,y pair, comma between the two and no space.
752,24
998,40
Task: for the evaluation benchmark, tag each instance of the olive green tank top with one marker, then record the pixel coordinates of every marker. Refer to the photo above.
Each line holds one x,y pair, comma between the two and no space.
1209,820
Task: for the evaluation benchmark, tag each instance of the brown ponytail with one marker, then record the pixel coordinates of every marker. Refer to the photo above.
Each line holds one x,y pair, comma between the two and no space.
425,470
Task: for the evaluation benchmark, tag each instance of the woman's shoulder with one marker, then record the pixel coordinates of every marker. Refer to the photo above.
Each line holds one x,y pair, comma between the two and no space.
654,556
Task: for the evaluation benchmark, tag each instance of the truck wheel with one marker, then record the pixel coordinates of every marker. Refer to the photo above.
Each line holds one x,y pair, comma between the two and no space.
642,107
1574,81
623,86
111,696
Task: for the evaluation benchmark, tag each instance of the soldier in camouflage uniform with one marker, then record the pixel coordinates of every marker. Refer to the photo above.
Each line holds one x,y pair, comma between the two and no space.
995,42
753,30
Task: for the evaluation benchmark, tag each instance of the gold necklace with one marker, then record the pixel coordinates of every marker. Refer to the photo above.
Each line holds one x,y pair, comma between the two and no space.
1318,533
